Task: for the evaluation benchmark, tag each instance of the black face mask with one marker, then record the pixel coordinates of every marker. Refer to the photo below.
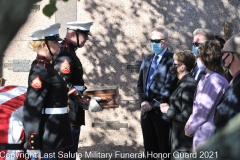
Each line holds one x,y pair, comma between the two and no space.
173,70
226,68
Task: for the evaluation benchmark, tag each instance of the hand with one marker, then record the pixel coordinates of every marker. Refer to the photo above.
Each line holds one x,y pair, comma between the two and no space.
34,153
72,91
164,107
94,106
145,107
142,111
186,130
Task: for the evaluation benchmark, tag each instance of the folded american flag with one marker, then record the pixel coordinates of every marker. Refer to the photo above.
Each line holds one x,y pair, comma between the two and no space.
11,126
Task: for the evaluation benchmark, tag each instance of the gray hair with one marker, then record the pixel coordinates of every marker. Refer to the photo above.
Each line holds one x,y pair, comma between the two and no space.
234,43
162,30
206,32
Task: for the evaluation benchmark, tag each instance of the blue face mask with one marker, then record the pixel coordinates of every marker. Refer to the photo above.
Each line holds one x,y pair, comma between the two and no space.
156,47
195,50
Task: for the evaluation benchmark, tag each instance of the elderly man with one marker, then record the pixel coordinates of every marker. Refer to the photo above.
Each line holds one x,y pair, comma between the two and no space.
200,35
229,104
155,85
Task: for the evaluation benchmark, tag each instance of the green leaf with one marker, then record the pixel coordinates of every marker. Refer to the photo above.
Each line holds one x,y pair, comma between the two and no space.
50,8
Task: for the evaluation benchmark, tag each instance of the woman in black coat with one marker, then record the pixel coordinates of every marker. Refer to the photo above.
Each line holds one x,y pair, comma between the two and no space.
181,101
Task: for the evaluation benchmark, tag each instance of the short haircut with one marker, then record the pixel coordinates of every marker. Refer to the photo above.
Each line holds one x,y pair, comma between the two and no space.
185,57
206,32
210,54
162,30
234,43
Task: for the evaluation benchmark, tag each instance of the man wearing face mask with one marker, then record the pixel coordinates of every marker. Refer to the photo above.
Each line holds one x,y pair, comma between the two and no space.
229,103
200,35
155,85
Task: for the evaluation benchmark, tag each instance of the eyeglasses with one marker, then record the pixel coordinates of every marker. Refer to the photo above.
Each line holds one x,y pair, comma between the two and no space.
228,52
156,40
196,44
176,65
225,57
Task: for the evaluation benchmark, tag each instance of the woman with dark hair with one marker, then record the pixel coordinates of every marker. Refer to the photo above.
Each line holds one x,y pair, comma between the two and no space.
209,90
221,42
180,103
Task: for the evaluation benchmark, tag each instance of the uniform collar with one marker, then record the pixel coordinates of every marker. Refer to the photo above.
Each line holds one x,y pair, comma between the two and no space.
68,44
45,59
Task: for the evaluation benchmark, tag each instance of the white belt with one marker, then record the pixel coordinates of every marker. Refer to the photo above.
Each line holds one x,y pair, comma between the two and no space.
54,110
79,88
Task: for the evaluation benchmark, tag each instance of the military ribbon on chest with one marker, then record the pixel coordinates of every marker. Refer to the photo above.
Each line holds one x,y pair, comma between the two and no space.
65,67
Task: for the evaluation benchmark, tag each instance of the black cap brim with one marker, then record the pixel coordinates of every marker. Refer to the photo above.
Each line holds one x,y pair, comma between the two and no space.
59,39
53,38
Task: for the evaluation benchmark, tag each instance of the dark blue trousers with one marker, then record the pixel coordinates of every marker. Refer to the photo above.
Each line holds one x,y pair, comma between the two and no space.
73,149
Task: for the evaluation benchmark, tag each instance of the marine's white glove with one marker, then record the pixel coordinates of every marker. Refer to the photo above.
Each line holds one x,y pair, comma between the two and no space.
94,106
34,153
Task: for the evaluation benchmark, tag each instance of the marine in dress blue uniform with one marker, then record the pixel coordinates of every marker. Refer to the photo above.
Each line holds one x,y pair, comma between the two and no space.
46,120
70,67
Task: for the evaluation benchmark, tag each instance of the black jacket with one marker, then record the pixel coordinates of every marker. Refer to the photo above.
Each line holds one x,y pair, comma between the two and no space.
70,67
181,103
229,105
162,84
46,89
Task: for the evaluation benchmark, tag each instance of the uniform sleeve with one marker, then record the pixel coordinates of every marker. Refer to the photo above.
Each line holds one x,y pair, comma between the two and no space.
186,104
38,85
204,103
65,64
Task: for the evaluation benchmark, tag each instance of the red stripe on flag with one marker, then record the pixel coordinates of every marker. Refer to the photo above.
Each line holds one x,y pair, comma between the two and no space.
15,102
6,110
7,88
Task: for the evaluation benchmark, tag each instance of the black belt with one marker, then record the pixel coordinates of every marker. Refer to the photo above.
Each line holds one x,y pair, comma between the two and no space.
6,146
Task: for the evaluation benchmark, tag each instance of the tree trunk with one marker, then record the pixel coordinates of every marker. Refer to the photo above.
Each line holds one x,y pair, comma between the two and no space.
13,15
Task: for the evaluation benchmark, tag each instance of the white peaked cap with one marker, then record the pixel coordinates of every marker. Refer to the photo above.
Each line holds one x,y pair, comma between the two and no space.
48,33
80,25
